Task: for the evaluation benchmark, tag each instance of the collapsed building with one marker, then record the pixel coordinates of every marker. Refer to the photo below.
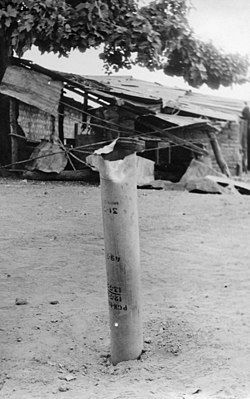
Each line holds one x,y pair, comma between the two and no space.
72,114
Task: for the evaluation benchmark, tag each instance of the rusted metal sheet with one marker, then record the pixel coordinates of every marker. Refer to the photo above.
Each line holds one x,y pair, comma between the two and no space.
32,88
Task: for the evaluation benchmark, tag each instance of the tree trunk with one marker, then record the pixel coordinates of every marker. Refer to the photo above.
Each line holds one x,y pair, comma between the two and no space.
4,53
5,147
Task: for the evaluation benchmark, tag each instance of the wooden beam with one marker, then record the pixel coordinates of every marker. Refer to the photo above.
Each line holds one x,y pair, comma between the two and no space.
91,97
165,135
53,126
218,154
14,111
61,120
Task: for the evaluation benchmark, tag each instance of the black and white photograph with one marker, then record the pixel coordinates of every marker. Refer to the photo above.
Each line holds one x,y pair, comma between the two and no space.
125,199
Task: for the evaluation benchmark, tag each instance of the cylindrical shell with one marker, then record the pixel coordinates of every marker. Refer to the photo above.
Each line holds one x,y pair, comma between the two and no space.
121,235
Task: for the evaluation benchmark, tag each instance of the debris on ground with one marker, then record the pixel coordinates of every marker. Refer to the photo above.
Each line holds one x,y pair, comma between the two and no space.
204,185
54,302
198,169
21,301
241,187
63,388
200,178
68,377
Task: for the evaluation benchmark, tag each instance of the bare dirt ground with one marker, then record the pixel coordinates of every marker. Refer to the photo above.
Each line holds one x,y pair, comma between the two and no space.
195,258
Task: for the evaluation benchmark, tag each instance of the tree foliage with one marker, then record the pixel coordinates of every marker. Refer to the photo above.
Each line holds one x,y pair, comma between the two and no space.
157,36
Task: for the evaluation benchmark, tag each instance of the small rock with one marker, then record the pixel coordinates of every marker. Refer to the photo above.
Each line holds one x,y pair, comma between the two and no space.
67,378
19,339
148,340
63,388
104,355
85,367
197,391
21,301
73,370
50,363
70,377
175,350
55,302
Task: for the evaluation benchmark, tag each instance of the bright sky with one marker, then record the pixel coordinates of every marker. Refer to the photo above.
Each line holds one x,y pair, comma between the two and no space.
225,22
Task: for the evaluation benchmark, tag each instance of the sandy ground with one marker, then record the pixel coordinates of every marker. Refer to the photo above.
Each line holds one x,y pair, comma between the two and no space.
195,253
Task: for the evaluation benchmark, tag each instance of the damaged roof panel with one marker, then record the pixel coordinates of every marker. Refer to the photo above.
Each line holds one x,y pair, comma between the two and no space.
115,89
181,121
32,88
183,100
207,112
127,85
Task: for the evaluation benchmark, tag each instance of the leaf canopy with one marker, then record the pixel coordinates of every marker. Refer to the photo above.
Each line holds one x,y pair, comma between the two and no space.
157,36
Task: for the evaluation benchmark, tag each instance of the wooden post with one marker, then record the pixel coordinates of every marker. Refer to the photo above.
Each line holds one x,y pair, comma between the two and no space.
85,107
13,131
53,127
61,121
157,155
118,175
218,154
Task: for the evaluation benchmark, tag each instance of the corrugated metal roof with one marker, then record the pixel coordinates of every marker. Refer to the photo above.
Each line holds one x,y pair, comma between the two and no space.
188,101
127,85
81,84
178,120
109,88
